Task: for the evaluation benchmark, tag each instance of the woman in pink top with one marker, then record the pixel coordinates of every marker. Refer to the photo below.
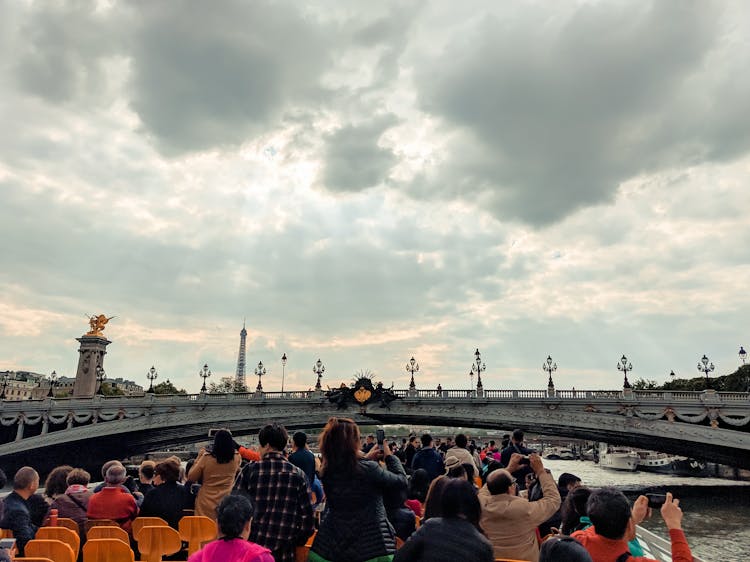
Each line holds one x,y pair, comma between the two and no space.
234,515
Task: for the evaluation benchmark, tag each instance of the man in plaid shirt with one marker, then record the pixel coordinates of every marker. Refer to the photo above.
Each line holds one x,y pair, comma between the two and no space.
283,513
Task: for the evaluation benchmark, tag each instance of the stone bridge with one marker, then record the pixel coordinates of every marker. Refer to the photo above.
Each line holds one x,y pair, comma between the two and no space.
709,425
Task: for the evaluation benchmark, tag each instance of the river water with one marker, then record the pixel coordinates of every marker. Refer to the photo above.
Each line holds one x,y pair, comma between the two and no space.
716,511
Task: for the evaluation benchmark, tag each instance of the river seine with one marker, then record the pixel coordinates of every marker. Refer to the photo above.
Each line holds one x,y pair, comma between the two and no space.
716,511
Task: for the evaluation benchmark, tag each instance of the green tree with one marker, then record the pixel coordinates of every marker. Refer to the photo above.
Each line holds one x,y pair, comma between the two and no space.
643,384
109,390
167,387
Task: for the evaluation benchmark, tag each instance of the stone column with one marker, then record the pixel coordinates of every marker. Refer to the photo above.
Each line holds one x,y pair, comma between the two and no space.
92,352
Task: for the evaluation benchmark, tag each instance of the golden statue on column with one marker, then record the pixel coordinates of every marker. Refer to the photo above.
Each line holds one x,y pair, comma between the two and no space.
97,324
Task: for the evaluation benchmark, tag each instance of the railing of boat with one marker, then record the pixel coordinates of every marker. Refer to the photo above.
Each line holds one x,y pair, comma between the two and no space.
656,547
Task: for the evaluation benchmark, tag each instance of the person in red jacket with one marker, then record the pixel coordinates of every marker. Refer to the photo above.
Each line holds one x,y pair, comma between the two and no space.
614,525
113,501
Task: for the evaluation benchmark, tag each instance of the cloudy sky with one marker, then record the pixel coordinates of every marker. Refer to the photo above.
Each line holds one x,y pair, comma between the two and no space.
367,181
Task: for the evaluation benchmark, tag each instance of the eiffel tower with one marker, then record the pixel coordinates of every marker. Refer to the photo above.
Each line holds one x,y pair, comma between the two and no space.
239,379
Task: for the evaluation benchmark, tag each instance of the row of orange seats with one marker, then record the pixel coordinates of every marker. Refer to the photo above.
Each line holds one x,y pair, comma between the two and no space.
107,542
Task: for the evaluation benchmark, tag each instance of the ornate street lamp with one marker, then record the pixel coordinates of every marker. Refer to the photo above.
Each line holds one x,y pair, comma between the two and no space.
549,367
6,378
318,369
477,368
52,384
672,374
101,376
412,367
204,374
705,367
743,354
260,370
283,370
625,367
151,376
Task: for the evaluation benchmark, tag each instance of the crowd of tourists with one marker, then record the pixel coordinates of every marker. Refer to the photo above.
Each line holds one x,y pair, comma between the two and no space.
359,500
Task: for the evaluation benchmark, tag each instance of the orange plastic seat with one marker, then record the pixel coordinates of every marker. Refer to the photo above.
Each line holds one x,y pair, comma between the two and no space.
156,541
63,534
68,524
478,481
140,522
107,550
52,549
399,542
107,532
32,559
509,560
196,529
6,534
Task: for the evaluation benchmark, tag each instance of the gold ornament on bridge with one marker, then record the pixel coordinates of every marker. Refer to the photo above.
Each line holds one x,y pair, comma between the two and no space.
97,324
362,395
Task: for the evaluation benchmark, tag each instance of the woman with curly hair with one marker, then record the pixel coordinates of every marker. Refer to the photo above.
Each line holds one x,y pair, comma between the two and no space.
354,527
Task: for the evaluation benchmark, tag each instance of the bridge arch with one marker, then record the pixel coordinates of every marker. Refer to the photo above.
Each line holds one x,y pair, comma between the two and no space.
710,426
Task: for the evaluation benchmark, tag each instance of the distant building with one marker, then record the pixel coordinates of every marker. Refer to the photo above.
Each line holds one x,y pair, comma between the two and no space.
25,385
128,387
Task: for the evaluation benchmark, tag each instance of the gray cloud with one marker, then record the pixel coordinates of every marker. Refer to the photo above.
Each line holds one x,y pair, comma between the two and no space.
204,77
61,47
353,159
554,116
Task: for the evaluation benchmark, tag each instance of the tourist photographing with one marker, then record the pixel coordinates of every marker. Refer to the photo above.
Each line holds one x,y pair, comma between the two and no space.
355,527
613,524
234,516
511,521
215,471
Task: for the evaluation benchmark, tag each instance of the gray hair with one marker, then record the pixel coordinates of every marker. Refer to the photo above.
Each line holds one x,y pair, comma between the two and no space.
24,478
116,474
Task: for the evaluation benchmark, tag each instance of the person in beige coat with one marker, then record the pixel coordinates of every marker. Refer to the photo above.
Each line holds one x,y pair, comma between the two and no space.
215,470
461,452
510,521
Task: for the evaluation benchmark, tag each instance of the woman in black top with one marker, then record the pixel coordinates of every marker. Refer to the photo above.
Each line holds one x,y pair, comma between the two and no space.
354,527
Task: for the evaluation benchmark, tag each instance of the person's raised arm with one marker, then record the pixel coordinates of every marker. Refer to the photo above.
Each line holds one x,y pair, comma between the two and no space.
672,515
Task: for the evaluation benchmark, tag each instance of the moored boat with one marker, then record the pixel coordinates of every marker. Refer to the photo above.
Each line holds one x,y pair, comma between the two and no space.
651,461
617,458
558,454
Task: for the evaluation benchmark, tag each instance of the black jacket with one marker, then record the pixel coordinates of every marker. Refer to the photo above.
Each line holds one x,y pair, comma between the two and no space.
354,525
167,501
17,518
446,540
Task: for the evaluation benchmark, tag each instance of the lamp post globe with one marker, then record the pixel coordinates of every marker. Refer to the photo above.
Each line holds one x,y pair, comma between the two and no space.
625,366
101,376
260,370
204,374
705,366
549,366
478,367
52,384
151,376
412,367
318,369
